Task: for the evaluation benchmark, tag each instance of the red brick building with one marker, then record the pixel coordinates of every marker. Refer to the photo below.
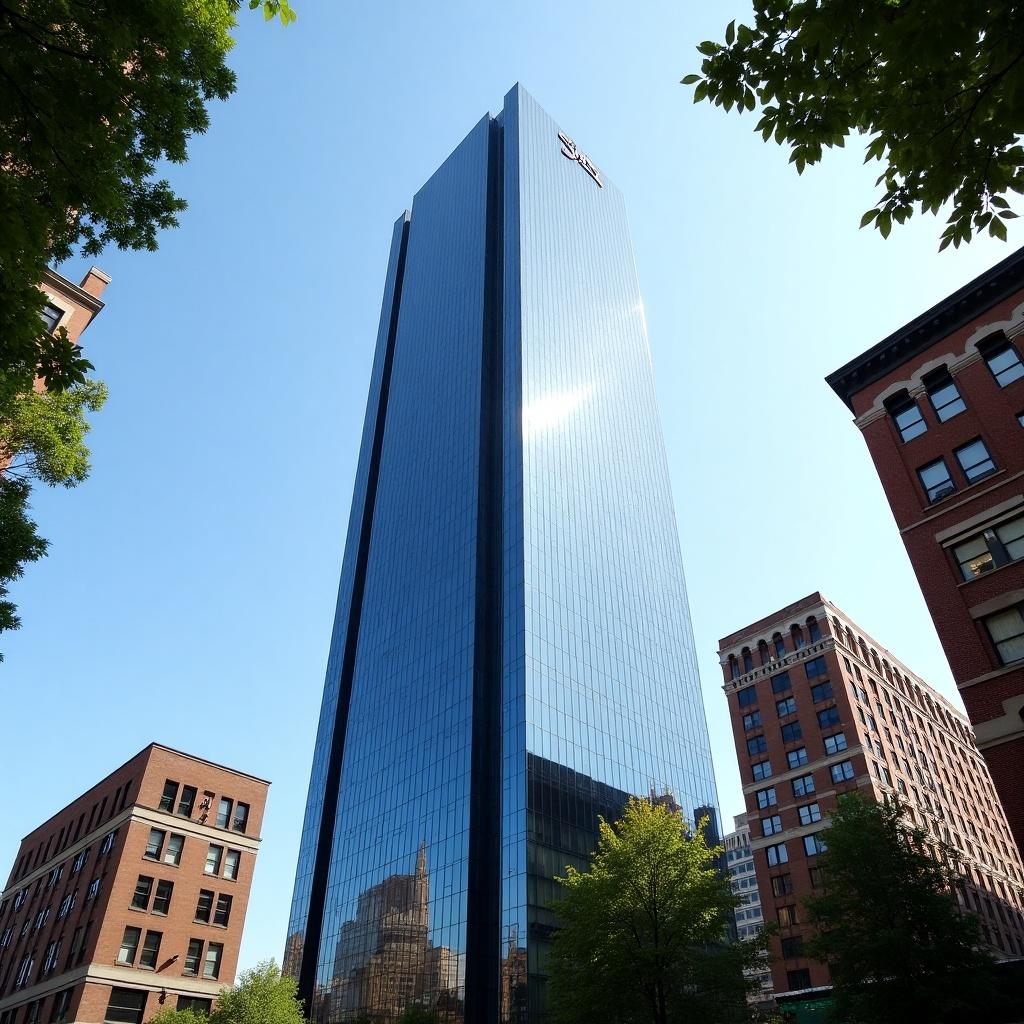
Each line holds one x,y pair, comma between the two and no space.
73,306
132,897
941,406
818,709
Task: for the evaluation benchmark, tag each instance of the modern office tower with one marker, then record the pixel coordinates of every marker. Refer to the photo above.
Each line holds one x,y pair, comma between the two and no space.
132,898
512,653
749,915
940,403
819,709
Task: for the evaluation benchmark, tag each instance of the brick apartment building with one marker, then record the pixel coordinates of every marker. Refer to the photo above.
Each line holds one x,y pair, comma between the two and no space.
940,403
818,709
72,306
133,897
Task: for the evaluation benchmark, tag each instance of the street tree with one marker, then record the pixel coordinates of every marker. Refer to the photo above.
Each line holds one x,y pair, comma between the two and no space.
935,86
888,924
642,932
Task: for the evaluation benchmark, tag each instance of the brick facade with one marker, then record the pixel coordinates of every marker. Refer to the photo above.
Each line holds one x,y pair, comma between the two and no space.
110,900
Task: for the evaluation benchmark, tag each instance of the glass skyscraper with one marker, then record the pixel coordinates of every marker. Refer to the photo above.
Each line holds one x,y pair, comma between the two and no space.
512,652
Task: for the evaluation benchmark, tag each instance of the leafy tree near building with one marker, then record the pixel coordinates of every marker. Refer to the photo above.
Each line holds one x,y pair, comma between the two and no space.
936,85
641,939
888,924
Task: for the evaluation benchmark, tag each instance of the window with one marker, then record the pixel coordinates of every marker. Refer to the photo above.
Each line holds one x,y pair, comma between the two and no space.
816,877
748,661
814,844
781,683
782,885
67,904
776,854
213,859
233,857
798,979
143,888
803,786
835,743
997,546
24,971
907,417
944,396
842,771
129,946
41,918
813,629
820,692
757,745
61,1006
193,957
211,965
224,812
1006,629
734,667
936,481
155,844
174,847
170,794
792,947
204,907
975,460
151,950
828,717
108,842
162,900
195,1003
51,316
126,1006
816,667
761,770
766,798
222,913
791,732
93,891
79,862
747,696
769,826
187,802
809,814
786,707
32,1011
1004,362
50,957
787,916
752,721
795,758
55,876
780,646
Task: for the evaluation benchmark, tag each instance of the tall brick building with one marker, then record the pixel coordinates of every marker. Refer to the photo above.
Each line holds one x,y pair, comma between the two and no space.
818,709
940,403
132,897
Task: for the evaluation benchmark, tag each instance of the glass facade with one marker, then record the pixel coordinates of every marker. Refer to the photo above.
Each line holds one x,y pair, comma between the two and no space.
512,654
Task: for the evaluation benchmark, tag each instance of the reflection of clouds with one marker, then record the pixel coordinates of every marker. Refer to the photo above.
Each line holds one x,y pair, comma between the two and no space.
547,412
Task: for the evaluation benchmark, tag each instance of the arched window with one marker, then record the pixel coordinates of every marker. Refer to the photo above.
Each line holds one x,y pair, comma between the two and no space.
779,644
748,661
734,667
763,652
813,629
849,639
875,661
798,636
837,629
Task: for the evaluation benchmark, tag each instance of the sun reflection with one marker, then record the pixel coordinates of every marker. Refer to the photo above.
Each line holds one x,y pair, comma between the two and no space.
547,412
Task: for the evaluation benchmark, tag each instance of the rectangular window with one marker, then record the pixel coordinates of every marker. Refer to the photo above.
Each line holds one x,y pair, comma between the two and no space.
1004,362
195,1003
222,913
1006,630
32,1012
936,481
129,946
193,957
204,907
211,964
51,316
108,842
93,891
842,772
820,692
224,812
66,906
143,888
751,721
51,956
155,843
79,861
792,947
803,786
791,732
907,417
795,758
187,801
835,743
816,667
781,683
757,745
61,1006
776,854
809,814
787,916
975,460
796,980
782,885
747,696
233,857
766,798
769,826
170,794
241,819
126,1006
213,859
828,717
151,950
814,844
162,899
944,396
816,877
786,707
761,770
174,847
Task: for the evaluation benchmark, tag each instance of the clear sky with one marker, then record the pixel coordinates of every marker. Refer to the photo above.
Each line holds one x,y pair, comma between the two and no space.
190,589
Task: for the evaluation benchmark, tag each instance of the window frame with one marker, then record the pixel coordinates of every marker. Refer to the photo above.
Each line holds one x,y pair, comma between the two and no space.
970,475
936,492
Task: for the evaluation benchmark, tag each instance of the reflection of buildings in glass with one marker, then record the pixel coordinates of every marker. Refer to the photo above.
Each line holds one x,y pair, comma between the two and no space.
513,981
292,954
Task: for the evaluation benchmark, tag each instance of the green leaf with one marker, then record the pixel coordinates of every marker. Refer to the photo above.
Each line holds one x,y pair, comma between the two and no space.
700,92
997,228
868,218
730,33
690,79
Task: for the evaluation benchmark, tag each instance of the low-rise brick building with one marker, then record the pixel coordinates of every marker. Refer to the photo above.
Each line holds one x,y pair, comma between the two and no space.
133,896
819,709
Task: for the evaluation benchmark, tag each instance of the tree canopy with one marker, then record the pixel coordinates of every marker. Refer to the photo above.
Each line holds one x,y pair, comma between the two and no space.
937,86
889,927
642,932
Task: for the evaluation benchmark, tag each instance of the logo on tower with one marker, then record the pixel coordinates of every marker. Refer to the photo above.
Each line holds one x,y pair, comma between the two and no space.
570,152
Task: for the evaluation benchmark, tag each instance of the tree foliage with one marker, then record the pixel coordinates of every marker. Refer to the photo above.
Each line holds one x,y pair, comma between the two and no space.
169,1015
641,937
262,995
898,947
937,85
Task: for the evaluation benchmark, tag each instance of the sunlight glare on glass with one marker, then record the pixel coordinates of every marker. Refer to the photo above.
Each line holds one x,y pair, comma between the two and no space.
551,410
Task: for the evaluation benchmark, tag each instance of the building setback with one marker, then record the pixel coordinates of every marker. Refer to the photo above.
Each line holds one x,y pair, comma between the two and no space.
749,915
512,653
819,709
940,403
133,897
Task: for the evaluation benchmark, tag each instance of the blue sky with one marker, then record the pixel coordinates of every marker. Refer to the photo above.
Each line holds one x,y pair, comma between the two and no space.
190,587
